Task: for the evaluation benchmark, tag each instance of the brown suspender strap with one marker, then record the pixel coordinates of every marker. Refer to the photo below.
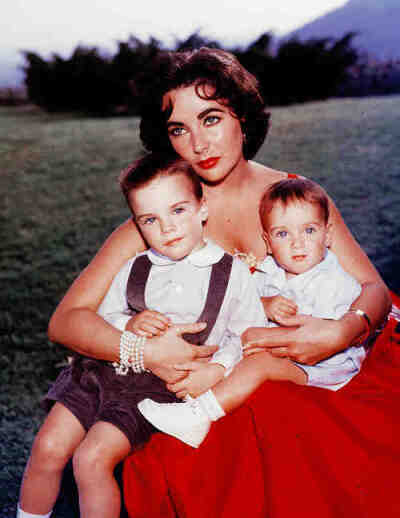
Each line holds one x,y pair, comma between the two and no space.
137,283
218,284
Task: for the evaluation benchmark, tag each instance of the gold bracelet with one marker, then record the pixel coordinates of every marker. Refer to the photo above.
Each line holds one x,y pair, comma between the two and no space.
367,321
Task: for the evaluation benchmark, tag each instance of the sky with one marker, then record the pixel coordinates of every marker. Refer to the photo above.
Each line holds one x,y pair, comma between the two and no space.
47,26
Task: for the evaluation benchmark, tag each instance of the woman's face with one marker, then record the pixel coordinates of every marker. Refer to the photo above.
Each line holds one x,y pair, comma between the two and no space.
205,133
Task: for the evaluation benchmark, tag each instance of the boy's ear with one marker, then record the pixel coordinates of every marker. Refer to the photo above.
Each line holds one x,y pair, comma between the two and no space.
266,241
204,211
328,237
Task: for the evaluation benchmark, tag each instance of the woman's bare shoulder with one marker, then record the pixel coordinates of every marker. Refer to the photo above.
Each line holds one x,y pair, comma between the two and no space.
265,175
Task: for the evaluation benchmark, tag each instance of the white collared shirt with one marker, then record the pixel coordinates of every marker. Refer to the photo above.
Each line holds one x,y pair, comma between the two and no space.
325,291
178,289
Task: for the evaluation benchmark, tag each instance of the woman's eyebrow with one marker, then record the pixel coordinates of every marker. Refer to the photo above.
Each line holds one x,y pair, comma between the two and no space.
200,116
204,113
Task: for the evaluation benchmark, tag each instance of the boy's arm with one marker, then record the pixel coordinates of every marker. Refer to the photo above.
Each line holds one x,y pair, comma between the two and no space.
199,378
114,307
340,291
336,292
241,309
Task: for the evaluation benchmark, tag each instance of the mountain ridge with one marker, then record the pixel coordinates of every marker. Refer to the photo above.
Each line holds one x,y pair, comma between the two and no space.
375,22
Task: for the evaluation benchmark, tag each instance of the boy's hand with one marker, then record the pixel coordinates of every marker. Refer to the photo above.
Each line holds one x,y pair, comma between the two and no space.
200,377
148,323
279,309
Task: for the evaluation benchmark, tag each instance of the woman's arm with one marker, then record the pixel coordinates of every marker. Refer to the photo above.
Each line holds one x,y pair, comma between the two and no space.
375,298
76,324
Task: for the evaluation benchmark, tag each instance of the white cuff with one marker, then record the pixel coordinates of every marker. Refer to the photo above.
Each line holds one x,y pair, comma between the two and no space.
224,362
118,321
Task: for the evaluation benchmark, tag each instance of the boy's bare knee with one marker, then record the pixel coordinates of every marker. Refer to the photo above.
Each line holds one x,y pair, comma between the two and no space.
49,452
89,460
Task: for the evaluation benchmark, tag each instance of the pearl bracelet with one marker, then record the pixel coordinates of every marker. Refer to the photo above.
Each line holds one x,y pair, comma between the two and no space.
138,361
131,354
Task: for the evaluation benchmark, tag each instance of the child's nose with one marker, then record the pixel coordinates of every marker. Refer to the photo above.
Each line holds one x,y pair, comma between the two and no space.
298,240
167,226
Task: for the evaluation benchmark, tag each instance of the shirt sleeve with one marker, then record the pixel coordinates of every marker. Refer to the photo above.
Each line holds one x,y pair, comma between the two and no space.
114,307
339,290
242,308
269,279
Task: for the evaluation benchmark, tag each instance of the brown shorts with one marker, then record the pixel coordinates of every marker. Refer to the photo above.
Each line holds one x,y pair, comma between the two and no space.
93,392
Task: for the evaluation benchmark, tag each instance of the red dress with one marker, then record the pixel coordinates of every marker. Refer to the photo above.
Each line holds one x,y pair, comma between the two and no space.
289,451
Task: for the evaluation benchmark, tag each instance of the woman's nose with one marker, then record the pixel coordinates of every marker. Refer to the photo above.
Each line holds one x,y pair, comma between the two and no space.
199,143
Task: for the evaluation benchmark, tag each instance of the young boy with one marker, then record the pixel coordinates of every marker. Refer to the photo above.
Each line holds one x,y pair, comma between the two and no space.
301,276
182,278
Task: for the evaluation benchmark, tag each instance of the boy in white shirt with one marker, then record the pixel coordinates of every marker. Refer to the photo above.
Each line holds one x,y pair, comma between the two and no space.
180,279
300,276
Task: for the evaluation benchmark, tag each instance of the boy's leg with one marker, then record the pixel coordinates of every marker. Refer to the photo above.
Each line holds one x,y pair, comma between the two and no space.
94,462
54,444
190,422
250,373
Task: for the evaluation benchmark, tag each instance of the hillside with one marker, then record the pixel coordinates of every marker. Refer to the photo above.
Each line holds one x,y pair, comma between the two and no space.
376,23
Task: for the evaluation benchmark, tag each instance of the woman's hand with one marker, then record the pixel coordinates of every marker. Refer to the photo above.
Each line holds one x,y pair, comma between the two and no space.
199,377
308,341
148,323
163,353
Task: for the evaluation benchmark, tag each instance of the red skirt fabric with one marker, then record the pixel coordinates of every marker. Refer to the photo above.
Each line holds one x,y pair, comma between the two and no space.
289,451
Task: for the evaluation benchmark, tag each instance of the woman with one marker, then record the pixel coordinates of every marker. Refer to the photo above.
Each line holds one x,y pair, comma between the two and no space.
207,108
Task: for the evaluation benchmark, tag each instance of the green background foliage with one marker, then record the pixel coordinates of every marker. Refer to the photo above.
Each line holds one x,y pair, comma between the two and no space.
60,200
93,83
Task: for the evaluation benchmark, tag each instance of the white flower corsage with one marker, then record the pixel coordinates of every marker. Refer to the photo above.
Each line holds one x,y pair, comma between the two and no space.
250,259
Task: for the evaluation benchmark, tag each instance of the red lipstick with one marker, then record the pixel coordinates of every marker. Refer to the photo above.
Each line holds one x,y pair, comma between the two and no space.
209,163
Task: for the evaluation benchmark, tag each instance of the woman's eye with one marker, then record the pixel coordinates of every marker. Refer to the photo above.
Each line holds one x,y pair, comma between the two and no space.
179,210
176,132
310,230
281,233
148,221
211,119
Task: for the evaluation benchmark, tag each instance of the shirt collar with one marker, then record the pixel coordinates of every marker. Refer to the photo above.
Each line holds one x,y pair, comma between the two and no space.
208,255
269,265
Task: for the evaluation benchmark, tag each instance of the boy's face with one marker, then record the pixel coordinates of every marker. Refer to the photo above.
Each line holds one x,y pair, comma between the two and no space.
296,235
169,215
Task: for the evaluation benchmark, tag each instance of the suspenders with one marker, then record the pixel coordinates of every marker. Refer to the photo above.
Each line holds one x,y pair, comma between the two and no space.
219,279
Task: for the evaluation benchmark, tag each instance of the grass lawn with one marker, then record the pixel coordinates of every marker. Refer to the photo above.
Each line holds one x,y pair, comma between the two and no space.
60,199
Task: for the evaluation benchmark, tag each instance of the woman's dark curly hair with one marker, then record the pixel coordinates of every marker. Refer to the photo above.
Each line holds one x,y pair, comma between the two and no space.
231,84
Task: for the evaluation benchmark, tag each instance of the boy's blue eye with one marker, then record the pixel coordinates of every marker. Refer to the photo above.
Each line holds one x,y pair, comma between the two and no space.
149,221
310,230
179,210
